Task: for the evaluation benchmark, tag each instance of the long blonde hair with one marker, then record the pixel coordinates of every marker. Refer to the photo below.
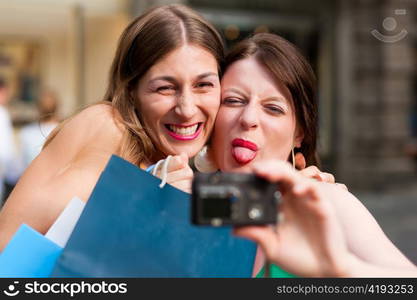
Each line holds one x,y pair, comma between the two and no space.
146,40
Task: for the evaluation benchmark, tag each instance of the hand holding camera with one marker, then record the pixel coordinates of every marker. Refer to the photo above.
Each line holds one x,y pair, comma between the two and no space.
233,199
309,239
242,199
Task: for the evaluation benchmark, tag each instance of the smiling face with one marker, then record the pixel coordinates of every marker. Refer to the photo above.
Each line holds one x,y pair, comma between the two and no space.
256,120
179,98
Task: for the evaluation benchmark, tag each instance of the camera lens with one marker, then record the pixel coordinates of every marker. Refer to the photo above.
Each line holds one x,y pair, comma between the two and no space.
255,212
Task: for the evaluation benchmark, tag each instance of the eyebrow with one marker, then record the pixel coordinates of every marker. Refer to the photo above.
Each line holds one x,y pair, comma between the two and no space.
173,80
234,90
273,98
165,78
207,74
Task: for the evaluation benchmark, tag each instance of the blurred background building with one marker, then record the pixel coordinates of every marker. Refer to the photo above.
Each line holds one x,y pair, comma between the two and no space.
364,53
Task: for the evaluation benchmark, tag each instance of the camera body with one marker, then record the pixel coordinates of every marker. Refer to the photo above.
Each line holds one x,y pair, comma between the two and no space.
233,199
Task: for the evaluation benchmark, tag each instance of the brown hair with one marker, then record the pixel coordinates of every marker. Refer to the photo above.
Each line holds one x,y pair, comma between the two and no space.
288,66
143,43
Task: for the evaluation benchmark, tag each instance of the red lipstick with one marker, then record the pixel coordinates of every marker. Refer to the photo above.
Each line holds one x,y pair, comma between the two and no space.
245,144
243,151
184,136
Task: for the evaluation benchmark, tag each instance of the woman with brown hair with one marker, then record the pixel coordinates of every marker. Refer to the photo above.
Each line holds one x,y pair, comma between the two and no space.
162,99
269,111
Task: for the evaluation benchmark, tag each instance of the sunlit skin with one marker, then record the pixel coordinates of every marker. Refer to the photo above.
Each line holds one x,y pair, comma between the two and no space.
179,98
256,120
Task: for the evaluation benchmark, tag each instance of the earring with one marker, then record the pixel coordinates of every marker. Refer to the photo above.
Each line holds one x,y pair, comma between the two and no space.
203,163
293,157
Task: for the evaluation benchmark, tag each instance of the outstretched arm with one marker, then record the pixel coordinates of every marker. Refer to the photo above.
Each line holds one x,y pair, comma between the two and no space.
359,226
311,240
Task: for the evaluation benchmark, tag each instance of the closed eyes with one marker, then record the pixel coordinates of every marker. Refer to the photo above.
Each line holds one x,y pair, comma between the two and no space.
274,109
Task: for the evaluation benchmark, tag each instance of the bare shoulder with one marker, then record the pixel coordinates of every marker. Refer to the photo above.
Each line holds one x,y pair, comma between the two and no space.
96,112
94,127
97,119
78,153
68,166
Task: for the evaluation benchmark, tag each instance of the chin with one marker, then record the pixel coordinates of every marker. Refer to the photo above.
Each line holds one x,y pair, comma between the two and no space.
191,152
236,168
242,169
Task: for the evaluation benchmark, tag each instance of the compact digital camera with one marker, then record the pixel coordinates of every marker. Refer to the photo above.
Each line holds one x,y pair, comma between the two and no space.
233,199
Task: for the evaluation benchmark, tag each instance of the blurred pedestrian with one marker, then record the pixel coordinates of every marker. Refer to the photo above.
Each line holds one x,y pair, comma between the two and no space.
33,135
7,145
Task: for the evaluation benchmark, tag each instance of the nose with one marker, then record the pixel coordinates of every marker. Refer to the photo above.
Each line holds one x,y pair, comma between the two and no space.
186,106
249,117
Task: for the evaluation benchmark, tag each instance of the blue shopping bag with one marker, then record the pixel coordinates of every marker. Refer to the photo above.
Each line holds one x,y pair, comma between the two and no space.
31,254
28,254
132,228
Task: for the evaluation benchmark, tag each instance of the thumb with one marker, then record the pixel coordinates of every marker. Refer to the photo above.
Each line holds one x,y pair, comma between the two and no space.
184,157
264,236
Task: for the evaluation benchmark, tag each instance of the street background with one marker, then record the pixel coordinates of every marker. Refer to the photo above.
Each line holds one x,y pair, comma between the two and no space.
364,53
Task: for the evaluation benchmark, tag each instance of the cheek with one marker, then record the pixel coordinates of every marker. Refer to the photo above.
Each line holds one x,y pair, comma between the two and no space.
221,138
153,108
221,129
211,110
225,120
210,103
280,137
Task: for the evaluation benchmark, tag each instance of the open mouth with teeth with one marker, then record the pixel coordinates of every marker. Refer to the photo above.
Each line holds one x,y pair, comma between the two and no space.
181,132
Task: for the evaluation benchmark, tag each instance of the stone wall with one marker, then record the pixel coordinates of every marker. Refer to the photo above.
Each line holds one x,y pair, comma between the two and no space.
377,95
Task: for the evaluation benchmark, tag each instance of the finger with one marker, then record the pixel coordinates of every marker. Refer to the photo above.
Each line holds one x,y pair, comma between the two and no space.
341,185
307,198
273,169
300,161
179,175
327,177
305,190
285,178
314,172
281,172
176,162
311,172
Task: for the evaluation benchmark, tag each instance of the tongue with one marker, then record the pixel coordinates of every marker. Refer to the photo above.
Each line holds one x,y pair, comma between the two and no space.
243,155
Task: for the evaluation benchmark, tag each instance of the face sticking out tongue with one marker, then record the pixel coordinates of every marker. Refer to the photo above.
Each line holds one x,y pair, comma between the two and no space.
243,155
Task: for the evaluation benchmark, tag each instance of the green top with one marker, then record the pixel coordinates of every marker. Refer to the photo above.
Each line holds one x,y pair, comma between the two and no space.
275,272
